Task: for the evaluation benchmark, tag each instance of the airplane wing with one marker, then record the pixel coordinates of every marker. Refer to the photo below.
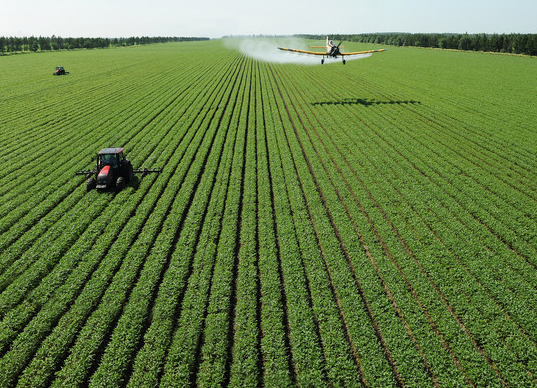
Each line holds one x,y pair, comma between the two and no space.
365,52
302,51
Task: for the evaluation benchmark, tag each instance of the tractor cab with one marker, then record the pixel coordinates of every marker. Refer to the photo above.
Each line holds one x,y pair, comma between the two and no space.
113,169
112,157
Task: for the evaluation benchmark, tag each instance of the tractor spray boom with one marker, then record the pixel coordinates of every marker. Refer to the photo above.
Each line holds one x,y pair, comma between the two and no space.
113,170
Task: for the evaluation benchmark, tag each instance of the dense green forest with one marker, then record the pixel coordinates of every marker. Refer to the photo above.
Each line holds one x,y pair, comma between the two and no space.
33,44
500,43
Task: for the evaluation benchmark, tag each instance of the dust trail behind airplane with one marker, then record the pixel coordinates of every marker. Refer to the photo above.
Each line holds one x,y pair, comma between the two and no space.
266,49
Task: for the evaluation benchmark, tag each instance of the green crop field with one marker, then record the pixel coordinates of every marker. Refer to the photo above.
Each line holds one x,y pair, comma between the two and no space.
373,224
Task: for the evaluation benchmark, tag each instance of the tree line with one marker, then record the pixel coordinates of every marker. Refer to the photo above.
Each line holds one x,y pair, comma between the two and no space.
42,43
500,43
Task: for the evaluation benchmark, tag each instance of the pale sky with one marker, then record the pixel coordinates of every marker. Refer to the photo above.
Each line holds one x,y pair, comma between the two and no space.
216,18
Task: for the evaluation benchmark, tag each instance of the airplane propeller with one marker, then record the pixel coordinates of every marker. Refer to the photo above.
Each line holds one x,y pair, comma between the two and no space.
337,48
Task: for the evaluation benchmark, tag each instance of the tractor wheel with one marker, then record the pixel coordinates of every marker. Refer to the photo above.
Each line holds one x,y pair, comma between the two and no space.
120,183
90,184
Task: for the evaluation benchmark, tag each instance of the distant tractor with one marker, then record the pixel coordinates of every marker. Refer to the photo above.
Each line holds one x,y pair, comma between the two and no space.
113,171
60,71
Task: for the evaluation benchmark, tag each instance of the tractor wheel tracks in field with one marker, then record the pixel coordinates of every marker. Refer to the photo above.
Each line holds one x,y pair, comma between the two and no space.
214,350
246,345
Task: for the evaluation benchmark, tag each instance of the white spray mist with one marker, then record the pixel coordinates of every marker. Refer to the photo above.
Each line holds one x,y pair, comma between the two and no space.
266,49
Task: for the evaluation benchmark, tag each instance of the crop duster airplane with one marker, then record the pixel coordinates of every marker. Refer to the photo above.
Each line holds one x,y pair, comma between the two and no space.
332,51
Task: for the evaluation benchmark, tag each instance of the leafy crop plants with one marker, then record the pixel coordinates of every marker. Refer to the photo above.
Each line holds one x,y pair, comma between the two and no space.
366,225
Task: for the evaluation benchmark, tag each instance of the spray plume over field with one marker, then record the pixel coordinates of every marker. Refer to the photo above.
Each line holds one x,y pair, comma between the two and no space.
266,50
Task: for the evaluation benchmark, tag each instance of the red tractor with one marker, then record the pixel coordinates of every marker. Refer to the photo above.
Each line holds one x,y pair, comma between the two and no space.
113,171
60,71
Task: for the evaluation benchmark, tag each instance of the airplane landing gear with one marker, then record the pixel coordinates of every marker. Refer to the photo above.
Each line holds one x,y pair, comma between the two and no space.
322,61
344,61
